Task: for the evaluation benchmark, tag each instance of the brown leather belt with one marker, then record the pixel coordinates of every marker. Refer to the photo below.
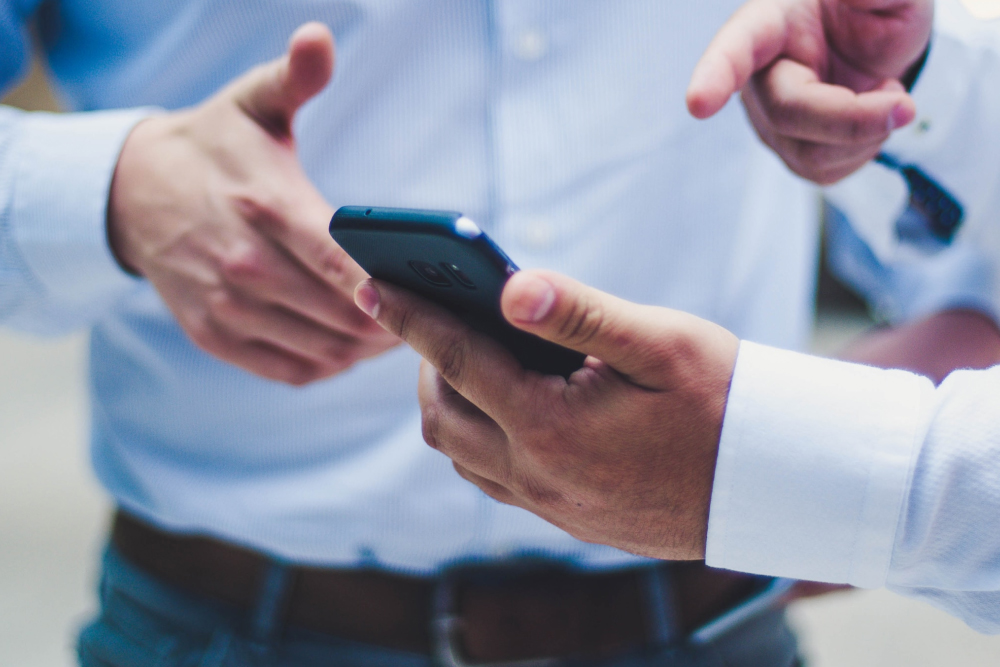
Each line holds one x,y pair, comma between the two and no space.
488,614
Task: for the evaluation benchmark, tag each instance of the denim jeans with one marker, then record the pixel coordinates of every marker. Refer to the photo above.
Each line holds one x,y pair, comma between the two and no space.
144,622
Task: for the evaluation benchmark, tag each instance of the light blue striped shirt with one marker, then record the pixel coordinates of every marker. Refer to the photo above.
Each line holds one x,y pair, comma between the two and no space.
559,126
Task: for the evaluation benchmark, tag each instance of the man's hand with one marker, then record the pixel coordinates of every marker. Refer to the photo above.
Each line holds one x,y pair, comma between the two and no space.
212,206
622,453
820,79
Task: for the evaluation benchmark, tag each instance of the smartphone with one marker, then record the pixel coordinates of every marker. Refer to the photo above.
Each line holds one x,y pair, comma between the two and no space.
444,257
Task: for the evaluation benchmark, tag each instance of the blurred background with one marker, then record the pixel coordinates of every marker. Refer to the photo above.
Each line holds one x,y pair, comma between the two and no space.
53,515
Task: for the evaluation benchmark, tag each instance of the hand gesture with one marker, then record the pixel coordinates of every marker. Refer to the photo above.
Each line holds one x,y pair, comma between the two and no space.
820,79
621,453
212,206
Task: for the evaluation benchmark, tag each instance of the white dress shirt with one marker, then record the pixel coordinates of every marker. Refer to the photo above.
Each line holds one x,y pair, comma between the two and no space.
559,126
842,473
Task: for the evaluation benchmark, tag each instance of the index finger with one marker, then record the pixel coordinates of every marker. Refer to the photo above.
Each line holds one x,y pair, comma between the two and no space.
478,367
751,39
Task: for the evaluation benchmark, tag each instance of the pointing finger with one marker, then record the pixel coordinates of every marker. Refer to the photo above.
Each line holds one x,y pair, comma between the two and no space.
752,38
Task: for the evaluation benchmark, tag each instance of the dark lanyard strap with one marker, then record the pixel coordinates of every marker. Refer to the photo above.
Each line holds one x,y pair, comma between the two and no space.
943,213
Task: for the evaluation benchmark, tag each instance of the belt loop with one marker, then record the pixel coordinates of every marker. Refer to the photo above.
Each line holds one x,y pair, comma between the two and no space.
269,612
660,598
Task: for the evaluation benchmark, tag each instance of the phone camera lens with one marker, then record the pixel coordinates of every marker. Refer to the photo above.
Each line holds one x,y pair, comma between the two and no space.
461,276
430,273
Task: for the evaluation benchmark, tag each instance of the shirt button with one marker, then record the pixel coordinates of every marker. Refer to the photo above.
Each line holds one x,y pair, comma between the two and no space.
538,235
531,45
923,126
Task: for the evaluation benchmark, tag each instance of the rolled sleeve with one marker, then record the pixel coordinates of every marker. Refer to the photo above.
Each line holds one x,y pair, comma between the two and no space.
61,170
815,461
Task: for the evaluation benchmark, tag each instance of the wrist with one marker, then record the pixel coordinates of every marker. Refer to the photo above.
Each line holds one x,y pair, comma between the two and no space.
122,192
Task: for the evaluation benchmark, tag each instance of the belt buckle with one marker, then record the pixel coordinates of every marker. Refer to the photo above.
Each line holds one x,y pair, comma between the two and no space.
446,627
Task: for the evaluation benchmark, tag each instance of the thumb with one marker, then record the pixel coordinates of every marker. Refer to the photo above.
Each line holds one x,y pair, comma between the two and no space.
752,38
634,340
271,93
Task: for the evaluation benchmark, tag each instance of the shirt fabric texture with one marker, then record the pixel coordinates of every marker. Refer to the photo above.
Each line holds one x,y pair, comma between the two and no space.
559,127
842,473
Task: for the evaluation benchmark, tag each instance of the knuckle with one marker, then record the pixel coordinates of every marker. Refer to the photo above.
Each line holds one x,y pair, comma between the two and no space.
495,491
814,160
342,357
221,306
210,338
336,350
537,494
799,167
202,333
783,118
299,378
812,154
334,262
809,174
866,130
856,129
261,212
243,264
301,374
679,353
825,179
583,322
400,322
331,368
830,176
784,115
336,356
430,426
452,359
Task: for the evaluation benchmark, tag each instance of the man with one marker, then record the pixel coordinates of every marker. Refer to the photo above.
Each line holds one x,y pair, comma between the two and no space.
677,441
264,522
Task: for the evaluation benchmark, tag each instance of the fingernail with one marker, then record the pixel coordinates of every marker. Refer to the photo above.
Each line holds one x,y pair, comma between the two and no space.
534,300
368,299
899,117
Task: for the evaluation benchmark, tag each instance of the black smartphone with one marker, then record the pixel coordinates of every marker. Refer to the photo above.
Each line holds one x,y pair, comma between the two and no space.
445,257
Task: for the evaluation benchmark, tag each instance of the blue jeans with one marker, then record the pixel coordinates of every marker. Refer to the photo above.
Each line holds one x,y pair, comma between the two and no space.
144,622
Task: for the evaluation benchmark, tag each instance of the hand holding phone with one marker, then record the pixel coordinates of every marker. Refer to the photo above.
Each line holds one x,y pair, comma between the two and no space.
445,257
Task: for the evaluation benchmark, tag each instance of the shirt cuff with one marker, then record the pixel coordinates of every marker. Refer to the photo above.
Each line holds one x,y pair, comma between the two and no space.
63,168
815,460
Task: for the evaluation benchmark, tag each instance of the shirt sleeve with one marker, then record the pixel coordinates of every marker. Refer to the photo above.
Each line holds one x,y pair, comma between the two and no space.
956,140
56,269
838,472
